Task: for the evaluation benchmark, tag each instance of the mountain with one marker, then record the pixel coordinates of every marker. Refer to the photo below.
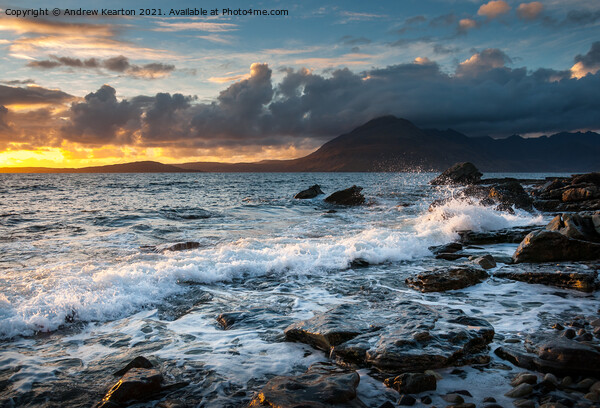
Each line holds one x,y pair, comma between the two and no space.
392,144
134,167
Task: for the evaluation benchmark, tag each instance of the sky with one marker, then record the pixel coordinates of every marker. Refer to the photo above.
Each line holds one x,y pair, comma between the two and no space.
81,90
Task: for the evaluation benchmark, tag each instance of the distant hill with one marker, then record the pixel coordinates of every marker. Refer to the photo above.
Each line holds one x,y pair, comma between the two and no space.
392,144
134,167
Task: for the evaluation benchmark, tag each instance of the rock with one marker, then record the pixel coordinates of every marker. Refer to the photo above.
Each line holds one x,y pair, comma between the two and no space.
553,405
412,383
584,385
447,248
592,396
407,400
453,398
321,386
595,387
558,326
388,339
555,354
443,279
462,392
228,319
524,403
524,378
138,362
489,399
387,404
551,378
486,261
519,391
570,276
569,333
551,246
349,196
503,236
492,405
460,173
426,400
511,194
566,382
595,323
450,256
580,194
310,192
577,226
137,384
462,405
180,246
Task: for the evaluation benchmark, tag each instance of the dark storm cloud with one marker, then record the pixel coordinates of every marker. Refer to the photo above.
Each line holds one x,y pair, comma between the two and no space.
3,119
119,64
483,96
442,49
592,58
19,82
574,17
31,95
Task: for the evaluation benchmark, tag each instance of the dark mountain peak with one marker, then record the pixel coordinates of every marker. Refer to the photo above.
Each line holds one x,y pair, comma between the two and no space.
384,122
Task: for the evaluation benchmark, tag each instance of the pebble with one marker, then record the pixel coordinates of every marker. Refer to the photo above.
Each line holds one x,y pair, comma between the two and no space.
569,333
453,398
520,391
595,387
489,399
524,378
566,382
551,378
584,385
595,323
407,400
426,400
558,326
524,403
592,396
584,337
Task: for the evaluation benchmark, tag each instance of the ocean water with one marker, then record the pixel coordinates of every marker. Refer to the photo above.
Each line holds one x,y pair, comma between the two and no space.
85,287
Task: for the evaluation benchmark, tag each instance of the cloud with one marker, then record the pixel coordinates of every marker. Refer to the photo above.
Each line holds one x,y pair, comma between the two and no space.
443,20
588,63
530,11
39,26
493,9
410,23
116,64
28,81
31,95
483,62
574,18
196,26
467,24
442,49
350,40
351,16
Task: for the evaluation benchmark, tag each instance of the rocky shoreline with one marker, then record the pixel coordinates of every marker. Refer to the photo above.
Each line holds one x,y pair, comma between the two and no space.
405,344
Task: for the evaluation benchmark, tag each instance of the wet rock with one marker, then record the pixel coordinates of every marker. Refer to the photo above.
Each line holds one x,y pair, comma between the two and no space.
569,333
321,386
580,277
180,246
349,196
359,263
451,256
524,378
388,339
453,398
463,405
592,396
137,384
524,403
584,385
310,192
447,248
492,405
577,226
489,399
555,354
462,392
595,387
511,194
407,400
412,383
558,326
228,319
138,362
551,378
443,279
486,261
553,405
550,246
580,194
584,337
519,391
387,404
503,236
460,173
426,400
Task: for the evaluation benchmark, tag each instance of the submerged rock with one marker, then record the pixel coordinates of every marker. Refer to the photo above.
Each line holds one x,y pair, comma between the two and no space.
548,246
447,248
310,192
569,276
180,246
399,337
412,383
138,362
322,386
440,280
137,384
460,173
349,196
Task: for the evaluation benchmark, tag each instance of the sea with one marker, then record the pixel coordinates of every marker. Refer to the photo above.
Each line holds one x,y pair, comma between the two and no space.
87,282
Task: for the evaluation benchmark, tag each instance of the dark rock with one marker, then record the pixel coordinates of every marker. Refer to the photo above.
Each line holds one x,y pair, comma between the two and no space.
462,392
440,280
138,362
407,400
577,226
387,404
451,256
228,319
569,333
503,236
492,405
349,196
524,378
359,263
511,194
453,398
524,403
462,405
486,261
310,192
426,400
460,173
447,248
558,326
551,246
580,194
554,354
519,391
388,338
137,384
570,276
412,383
591,178
321,386
180,246
489,399
584,337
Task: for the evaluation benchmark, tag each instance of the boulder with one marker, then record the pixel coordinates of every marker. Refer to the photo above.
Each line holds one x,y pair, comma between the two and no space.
412,383
138,384
583,226
397,337
550,353
511,194
349,196
447,248
486,261
550,246
440,280
580,194
583,278
180,246
503,236
321,386
460,173
310,192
